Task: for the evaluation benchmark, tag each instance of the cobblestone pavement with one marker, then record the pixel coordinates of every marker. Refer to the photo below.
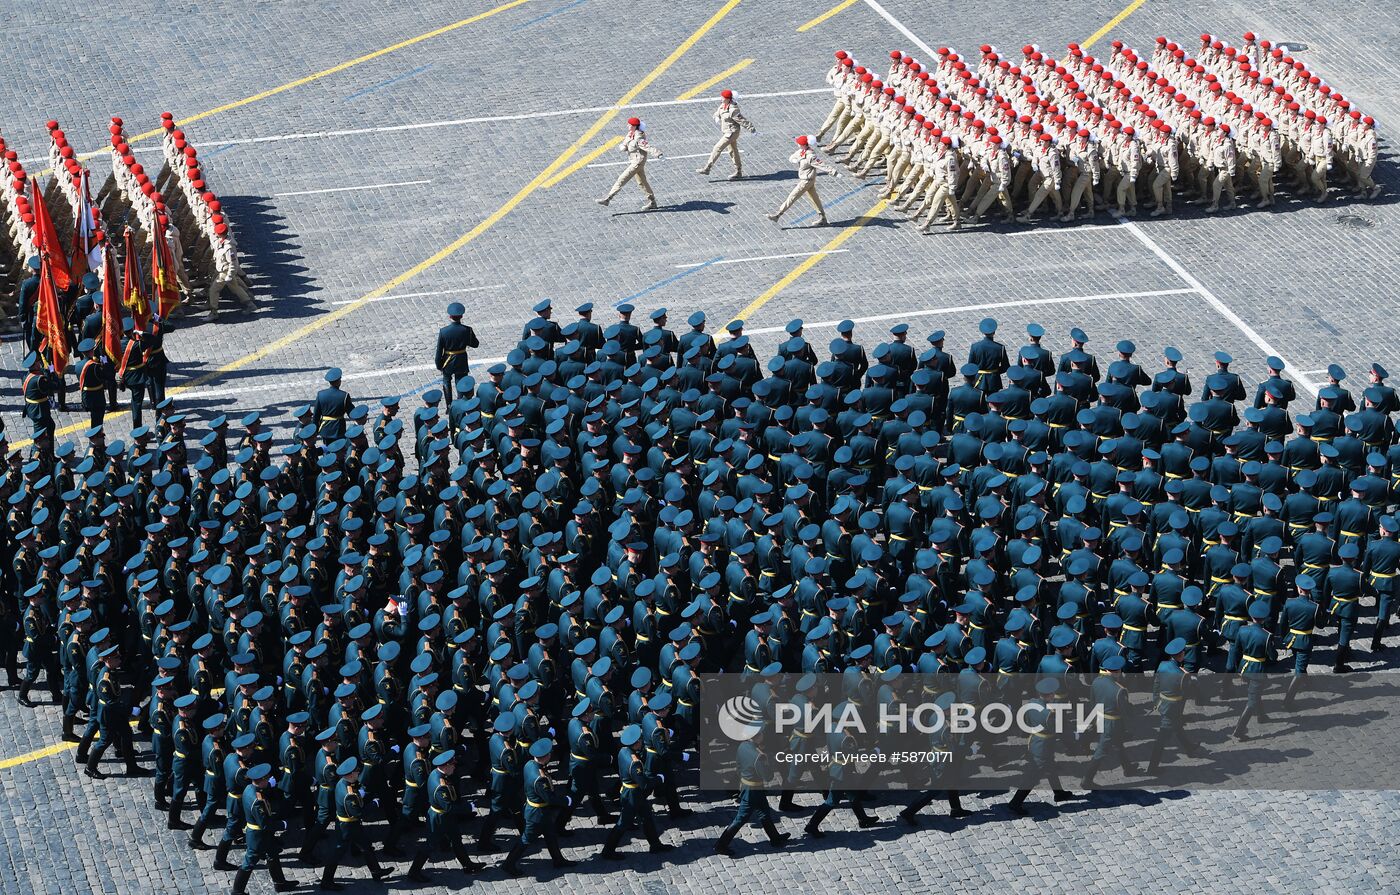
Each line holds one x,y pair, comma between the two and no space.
479,111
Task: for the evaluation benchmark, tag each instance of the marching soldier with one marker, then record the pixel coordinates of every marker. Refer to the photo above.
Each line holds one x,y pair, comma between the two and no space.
731,121
445,809
638,151
92,383
451,357
332,408
260,814
543,805
809,165
349,829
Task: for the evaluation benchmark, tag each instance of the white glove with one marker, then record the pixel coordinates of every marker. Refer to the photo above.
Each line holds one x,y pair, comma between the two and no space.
272,782
136,711
551,731
685,757
661,777
284,826
279,680
394,749
403,609
361,791
569,801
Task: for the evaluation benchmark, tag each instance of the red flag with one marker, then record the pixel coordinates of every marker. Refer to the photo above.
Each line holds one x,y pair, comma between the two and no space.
87,256
133,285
165,288
111,304
49,319
46,238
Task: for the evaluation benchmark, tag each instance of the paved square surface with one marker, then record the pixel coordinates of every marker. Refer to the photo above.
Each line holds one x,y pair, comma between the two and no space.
414,177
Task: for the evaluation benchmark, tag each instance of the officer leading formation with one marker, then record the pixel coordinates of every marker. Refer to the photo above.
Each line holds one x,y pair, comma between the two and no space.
479,616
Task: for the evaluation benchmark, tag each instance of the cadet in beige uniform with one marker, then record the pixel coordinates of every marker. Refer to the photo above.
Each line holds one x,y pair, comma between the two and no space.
998,185
638,151
730,121
1168,163
1364,150
1220,150
944,169
1084,159
809,165
1045,159
839,78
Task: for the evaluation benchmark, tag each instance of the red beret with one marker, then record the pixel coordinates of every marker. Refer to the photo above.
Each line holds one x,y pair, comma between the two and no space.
221,229
727,94
634,122
802,140
895,54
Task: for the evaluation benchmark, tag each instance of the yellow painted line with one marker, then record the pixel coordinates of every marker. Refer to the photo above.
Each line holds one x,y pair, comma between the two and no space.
706,85
1112,23
844,4
808,263
461,241
37,754
336,69
586,160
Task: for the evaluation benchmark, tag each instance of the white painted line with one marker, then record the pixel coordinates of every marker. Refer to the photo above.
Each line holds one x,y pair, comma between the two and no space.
1068,228
1313,372
1219,305
351,301
762,258
486,119
899,26
988,306
662,159
350,189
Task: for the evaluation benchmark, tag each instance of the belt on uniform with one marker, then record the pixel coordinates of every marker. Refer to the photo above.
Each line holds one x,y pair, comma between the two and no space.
34,401
1128,627
94,388
450,352
1345,599
1037,733
1254,659
775,458
183,755
533,804
331,419
626,785
747,782
1211,542
895,537
436,810
1300,632
576,757
1175,475
1260,592
412,784
689,705
1165,698
347,820
1350,534
1059,425
1236,618
254,827
1383,574
1218,580
1110,717
1313,565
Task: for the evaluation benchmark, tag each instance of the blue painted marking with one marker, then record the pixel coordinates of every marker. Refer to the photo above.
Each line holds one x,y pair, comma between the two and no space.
668,281
835,202
381,85
549,15
224,148
422,388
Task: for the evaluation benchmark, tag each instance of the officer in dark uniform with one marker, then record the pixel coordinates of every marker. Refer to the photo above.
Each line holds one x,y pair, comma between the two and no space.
332,408
445,809
754,777
113,712
543,804
28,303
261,824
39,388
349,828
636,802
92,376
451,356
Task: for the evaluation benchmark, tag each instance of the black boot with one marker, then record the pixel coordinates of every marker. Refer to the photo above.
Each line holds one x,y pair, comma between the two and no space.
172,817
376,870
221,856
775,838
1340,666
609,852
1017,805
1293,687
511,865
196,837
955,808
726,837
279,879
486,842
24,699
415,870
158,791
69,736
240,882
785,801
1087,781
328,883
813,827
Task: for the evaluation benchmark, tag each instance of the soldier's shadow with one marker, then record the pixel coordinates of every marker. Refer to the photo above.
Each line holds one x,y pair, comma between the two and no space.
692,205
771,176
272,258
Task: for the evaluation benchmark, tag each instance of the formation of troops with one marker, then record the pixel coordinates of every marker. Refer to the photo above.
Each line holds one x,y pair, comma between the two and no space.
130,211
959,139
487,611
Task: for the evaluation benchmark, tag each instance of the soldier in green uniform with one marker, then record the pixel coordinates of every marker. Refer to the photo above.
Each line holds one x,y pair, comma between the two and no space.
1257,653
160,715
38,388
636,803
1341,593
584,770
755,776
39,649
323,772
451,356
184,766
1109,694
416,772
114,713
1040,749
1300,616
1170,683
93,377
543,804
349,829
260,827
445,808
211,795
332,406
